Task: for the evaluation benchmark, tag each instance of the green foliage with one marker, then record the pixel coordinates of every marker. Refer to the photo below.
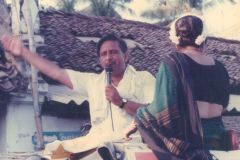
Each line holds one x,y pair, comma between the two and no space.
67,5
106,8
210,3
166,10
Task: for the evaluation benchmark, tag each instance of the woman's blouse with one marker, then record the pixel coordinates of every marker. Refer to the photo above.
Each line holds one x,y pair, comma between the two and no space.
210,82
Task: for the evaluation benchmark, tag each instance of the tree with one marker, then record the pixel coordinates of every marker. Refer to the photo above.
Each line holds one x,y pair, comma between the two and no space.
211,3
106,8
67,5
194,3
165,10
168,9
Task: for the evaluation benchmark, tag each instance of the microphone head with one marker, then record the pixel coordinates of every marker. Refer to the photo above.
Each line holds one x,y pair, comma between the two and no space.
109,73
109,69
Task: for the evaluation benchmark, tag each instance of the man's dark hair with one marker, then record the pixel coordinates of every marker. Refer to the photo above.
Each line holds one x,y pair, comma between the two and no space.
112,37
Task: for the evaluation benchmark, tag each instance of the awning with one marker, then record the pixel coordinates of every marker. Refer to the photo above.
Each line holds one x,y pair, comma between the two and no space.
63,94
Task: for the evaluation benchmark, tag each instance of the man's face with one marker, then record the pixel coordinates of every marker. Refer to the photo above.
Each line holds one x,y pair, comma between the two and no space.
111,54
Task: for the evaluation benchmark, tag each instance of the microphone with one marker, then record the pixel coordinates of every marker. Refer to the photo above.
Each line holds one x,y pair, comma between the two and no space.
109,70
109,73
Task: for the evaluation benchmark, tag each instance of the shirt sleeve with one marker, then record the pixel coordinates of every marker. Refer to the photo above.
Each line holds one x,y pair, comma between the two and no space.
80,80
148,86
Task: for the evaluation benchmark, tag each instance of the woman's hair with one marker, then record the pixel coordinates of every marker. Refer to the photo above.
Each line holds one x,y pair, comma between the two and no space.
188,28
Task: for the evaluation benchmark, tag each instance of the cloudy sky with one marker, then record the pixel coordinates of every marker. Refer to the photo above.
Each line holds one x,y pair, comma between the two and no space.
223,20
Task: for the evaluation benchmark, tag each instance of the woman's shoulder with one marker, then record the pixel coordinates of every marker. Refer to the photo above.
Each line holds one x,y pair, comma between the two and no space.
218,62
171,61
174,58
221,66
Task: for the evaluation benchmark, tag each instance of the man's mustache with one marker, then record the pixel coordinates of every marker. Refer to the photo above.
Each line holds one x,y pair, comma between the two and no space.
110,65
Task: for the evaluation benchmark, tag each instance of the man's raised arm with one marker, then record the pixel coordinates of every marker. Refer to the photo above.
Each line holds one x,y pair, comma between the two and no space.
14,46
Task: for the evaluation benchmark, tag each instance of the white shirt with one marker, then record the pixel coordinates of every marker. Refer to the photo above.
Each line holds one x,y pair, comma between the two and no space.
137,86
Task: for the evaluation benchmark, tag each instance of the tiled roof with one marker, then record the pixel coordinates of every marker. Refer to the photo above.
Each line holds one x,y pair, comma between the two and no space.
61,32
228,52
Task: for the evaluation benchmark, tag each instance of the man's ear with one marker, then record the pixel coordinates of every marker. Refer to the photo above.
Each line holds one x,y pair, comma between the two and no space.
126,57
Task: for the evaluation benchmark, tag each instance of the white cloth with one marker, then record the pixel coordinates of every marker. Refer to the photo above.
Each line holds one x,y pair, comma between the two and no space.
135,86
226,155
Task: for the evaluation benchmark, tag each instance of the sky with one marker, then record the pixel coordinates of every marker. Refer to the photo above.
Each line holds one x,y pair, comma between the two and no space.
222,20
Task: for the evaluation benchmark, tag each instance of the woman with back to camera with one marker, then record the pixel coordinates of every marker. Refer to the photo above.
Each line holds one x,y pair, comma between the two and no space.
192,89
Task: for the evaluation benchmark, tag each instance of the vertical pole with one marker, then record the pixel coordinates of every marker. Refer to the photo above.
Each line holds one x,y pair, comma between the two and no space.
34,80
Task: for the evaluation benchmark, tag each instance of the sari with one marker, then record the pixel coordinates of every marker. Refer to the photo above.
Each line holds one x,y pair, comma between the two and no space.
171,125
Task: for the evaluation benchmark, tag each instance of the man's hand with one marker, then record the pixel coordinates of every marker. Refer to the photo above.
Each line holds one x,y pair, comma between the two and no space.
132,128
112,95
12,44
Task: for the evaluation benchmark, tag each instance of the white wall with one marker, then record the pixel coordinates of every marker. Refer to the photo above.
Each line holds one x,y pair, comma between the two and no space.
19,127
2,127
234,102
